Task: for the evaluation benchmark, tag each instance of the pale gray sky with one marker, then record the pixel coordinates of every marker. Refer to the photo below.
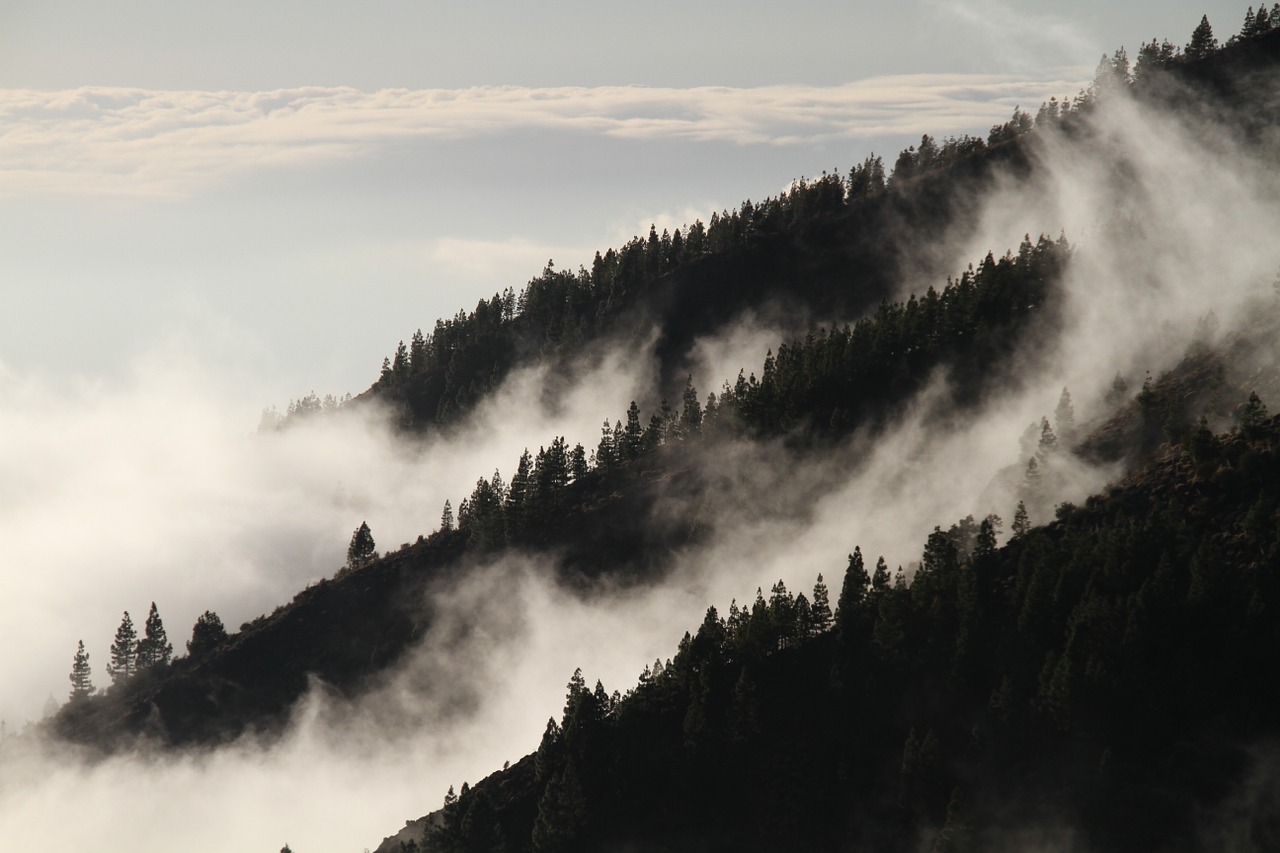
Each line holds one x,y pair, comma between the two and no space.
244,45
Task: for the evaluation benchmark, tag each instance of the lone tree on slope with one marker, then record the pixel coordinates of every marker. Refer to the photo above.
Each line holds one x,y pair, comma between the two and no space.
207,634
81,683
362,551
1202,41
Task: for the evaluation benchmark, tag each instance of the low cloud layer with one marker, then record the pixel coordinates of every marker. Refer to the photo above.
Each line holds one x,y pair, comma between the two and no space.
137,142
157,489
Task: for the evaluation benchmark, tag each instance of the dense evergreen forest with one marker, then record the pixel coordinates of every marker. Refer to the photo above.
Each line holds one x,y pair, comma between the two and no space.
595,512
1102,678
1097,676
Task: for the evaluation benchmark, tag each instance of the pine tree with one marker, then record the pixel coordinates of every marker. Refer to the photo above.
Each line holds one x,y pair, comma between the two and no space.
1032,482
690,411
1111,73
417,352
880,581
547,760
81,682
518,492
1048,444
804,616
1252,416
562,812
446,516
632,433
575,690
655,432
206,635
550,476
782,610
985,545
821,607
1250,23
927,154
852,593
400,364
577,463
1021,522
154,648
1064,418
1202,43
1153,58
1204,444
1118,392
607,455
361,551
124,651
956,835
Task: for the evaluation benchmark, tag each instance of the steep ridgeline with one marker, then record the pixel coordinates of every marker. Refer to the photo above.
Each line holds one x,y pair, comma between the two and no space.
812,253
1106,682
596,515
833,247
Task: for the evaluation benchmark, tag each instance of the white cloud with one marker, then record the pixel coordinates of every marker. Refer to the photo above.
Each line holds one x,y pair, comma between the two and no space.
113,496
136,142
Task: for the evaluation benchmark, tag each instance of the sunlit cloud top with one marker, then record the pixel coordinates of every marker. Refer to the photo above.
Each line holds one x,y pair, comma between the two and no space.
143,142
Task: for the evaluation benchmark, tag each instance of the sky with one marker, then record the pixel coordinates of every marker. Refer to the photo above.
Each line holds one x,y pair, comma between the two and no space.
205,210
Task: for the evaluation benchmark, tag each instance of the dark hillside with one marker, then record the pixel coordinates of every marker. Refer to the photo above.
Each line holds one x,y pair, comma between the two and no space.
808,257
1113,672
834,267
1213,380
343,630
1237,80
347,630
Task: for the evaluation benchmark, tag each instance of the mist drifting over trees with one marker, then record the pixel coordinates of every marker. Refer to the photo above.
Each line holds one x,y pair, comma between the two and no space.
931,503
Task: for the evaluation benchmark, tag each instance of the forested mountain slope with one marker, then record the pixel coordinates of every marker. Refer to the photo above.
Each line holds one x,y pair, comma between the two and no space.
599,517
1102,666
1107,681
1103,682
809,255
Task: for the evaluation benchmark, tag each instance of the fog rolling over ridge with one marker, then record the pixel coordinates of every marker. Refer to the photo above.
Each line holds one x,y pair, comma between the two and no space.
159,489
1171,219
